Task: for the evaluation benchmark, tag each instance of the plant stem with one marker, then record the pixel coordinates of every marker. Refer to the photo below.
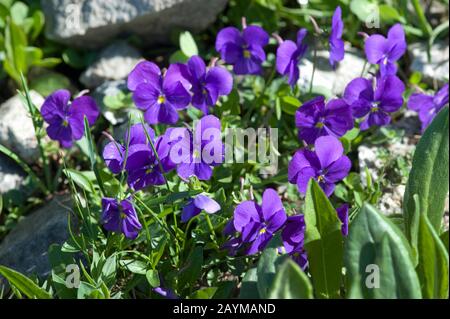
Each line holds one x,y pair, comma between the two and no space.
425,26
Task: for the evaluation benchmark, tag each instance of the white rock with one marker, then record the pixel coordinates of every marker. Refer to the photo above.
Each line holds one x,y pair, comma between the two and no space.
11,176
327,79
92,23
435,69
16,127
114,63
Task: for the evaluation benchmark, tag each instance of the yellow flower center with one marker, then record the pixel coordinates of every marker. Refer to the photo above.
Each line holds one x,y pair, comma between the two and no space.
262,231
196,154
65,123
247,54
123,216
319,125
161,99
374,109
321,178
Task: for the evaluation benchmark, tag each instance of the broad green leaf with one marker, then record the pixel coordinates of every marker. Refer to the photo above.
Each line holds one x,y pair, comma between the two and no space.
204,293
24,284
134,266
289,104
191,271
49,82
80,179
38,23
444,239
429,175
291,283
249,286
378,259
363,9
323,242
19,12
187,44
153,278
266,271
390,15
178,57
433,262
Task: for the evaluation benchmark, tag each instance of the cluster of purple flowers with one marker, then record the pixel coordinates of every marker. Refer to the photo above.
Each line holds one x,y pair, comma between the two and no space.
161,94
255,225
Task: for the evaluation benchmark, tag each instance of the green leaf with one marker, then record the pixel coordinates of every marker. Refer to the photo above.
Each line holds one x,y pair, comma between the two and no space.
80,179
38,23
444,238
187,44
429,175
289,104
266,271
433,262
15,44
19,12
378,259
204,293
134,266
153,278
363,9
191,271
390,15
323,242
249,287
49,82
178,57
291,283
24,284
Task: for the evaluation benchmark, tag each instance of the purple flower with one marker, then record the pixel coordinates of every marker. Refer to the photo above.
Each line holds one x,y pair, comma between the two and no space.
342,212
327,164
165,292
196,205
289,55
315,119
428,106
159,96
207,84
244,50
114,153
293,236
197,152
143,166
257,224
375,105
65,119
386,51
336,43
120,217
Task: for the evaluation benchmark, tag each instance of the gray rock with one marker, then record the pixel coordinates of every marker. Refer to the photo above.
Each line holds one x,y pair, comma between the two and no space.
325,78
114,63
92,23
391,201
16,127
114,89
11,176
436,69
25,249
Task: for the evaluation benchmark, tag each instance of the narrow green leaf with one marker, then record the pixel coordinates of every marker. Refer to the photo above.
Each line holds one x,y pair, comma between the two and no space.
378,259
80,179
323,242
291,283
24,284
429,175
433,262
